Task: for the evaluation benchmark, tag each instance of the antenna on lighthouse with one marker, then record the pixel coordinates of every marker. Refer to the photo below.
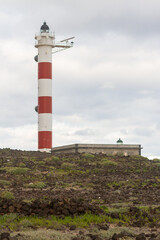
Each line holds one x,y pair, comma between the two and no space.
63,45
45,42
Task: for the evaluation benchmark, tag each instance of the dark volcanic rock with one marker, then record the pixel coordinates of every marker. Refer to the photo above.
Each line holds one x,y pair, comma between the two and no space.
58,207
5,236
73,227
103,226
94,236
121,235
141,236
115,236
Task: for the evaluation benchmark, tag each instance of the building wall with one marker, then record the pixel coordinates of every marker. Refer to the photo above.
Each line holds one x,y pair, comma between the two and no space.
125,149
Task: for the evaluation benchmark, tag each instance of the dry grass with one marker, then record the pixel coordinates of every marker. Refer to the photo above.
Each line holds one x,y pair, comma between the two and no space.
43,234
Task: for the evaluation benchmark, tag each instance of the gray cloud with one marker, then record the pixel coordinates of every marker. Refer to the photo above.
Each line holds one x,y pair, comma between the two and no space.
85,132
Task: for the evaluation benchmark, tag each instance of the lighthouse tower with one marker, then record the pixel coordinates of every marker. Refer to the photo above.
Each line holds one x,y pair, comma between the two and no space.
44,44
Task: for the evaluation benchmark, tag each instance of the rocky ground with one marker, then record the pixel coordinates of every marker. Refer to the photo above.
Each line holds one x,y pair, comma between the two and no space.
123,192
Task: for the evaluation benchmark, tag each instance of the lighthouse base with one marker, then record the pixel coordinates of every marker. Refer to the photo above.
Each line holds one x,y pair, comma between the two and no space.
45,150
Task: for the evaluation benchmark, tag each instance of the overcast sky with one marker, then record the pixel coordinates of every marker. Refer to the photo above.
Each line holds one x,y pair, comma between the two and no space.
104,88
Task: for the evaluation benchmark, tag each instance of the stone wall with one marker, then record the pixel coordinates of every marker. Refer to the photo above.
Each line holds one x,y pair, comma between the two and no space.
57,207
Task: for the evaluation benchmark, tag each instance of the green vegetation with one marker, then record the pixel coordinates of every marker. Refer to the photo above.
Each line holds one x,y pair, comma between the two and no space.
42,163
33,159
52,159
39,185
7,219
80,221
113,215
68,166
133,184
14,221
158,164
5,183
15,170
30,201
115,209
138,157
22,165
88,156
55,158
156,160
113,184
7,195
106,161
25,223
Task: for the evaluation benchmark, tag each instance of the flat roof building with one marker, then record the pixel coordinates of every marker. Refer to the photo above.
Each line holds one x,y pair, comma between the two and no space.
119,148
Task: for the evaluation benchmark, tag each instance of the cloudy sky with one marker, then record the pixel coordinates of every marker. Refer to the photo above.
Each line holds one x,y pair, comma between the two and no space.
104,88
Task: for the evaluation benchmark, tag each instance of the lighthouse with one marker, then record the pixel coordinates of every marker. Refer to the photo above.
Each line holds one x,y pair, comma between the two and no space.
45,42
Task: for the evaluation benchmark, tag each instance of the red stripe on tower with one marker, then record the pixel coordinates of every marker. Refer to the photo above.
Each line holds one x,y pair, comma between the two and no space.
45,104
44,70
45,139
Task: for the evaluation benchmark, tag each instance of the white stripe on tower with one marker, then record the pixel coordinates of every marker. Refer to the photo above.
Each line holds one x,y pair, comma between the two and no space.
44,45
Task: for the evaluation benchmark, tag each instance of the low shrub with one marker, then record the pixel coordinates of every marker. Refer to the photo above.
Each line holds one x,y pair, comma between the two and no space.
88,155
106,161
39,185
156,160
22,165
52,159
7,195
25,223
55,158
15,170
4,183
68,165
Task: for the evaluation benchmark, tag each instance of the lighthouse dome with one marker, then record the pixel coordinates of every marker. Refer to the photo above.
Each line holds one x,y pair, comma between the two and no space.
44,27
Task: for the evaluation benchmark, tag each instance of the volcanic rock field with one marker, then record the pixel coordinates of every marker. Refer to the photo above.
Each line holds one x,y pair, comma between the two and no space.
119,197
